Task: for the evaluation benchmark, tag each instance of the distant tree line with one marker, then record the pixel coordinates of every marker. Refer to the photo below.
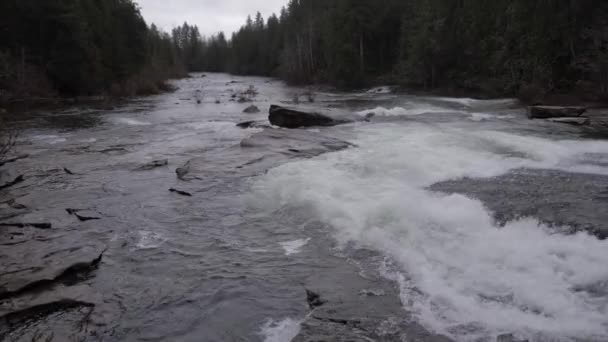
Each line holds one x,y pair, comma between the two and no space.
81,47
499,47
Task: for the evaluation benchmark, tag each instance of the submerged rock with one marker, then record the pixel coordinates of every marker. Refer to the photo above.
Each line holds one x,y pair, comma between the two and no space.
314,299
580,121
252,124
44,225
545,112
294,118
251,109
17,180
153,165
180,192
572,201
82,217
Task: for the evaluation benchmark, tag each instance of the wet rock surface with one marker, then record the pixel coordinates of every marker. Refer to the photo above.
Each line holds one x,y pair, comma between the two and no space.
546,112
570,202
351,314
298,118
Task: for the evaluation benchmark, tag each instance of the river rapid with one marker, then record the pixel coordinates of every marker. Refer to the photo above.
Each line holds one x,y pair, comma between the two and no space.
443,219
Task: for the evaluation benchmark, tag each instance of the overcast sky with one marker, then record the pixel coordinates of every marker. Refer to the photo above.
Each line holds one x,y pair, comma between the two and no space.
211,16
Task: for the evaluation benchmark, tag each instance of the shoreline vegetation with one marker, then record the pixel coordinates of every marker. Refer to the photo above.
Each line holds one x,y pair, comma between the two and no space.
538,51
549,52
81,50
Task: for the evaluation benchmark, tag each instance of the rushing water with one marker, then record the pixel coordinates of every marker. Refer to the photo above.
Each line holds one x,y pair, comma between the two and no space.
231,262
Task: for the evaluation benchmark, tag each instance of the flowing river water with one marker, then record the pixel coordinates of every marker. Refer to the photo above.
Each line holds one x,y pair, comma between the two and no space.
442,219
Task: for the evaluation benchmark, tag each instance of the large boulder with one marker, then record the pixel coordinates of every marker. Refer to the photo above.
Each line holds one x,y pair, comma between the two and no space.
293,118
546,112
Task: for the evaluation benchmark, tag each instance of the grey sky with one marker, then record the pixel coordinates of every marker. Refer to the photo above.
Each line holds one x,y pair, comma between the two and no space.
211,16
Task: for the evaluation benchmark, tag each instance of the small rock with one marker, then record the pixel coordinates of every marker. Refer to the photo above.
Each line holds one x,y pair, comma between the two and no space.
251,109
81,218
154,164
508,338
180,192
314,299
25,225
183,171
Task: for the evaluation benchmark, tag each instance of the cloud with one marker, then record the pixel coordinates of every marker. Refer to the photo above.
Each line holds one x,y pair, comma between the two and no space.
211,16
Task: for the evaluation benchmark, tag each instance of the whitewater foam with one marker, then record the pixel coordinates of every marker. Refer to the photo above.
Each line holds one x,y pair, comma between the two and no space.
132,122
402,111
294,247
280,331
462,275
150,240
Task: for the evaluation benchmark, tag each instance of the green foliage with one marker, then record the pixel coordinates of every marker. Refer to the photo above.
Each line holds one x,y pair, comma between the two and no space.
79,47
500,47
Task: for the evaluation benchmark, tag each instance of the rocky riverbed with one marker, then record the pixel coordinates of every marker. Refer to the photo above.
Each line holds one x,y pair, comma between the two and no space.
415,219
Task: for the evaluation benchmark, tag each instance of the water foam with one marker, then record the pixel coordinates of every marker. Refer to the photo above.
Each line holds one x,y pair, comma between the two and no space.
132,122
150,240
280,331
462,275
294,247
402,111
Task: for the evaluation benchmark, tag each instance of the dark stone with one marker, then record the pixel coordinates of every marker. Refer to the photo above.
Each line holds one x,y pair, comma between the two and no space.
180,192
153,165
314,299
546,112
252,124
508,338
253,109
81,218
292,118
25,225
17,180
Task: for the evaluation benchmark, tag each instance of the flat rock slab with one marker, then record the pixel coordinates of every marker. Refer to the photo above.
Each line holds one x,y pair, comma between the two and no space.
262,151
61,315
41,262
575,202
545,112
359,308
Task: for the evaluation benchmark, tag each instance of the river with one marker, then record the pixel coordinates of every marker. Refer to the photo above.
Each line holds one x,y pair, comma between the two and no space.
446,219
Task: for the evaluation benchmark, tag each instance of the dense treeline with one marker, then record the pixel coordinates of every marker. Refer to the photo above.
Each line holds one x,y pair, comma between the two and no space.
499,47
81,47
